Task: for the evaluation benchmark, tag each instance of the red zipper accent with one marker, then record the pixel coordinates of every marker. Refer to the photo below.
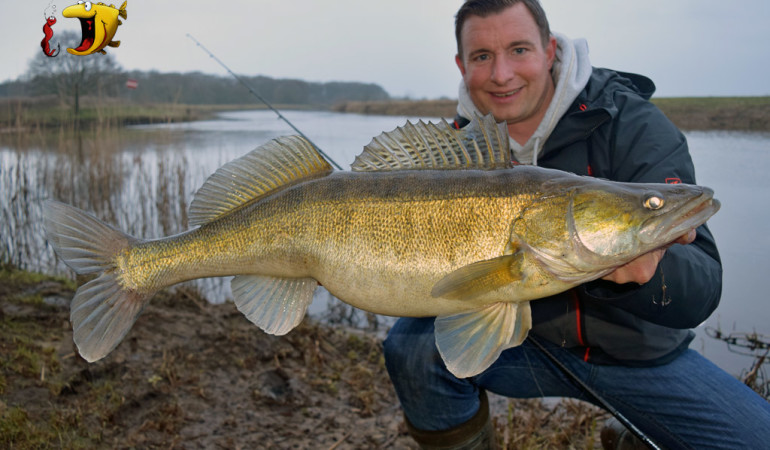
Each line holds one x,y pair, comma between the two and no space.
577,318
579,326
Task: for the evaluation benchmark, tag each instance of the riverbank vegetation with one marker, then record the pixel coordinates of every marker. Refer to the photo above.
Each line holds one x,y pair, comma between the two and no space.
20,115
195,375
696,113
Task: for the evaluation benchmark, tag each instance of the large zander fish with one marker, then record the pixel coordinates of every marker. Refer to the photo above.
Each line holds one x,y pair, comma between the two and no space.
432,221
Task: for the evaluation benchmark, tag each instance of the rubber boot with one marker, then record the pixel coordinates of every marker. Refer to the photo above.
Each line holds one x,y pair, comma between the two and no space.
476,434
615,436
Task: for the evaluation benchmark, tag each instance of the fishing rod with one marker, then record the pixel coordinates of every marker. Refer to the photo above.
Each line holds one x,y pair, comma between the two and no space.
604,403
621,418
262,99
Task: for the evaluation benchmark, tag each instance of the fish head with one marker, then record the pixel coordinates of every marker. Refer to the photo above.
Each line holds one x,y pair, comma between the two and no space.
621,221
98,25
581,228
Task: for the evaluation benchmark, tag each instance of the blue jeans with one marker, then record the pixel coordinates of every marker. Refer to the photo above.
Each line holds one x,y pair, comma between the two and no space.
688,403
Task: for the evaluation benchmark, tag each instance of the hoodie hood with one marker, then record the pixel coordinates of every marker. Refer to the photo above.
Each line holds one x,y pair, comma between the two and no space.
571,71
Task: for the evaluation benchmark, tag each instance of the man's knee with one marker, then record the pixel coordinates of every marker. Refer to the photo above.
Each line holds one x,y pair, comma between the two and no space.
409,341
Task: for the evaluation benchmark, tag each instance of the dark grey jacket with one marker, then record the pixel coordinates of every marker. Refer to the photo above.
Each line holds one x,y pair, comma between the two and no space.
612,131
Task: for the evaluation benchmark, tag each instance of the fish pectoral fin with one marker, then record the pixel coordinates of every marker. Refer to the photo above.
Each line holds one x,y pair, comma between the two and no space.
470,342
479,278
114,43
276,305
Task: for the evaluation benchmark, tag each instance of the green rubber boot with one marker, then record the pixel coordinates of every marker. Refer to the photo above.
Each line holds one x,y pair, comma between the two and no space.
475,434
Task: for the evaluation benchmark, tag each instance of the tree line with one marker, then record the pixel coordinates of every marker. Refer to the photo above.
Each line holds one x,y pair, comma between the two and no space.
71,77
199,88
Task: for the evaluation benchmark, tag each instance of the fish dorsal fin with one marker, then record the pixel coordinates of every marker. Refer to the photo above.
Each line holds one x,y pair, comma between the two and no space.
482,144
282,162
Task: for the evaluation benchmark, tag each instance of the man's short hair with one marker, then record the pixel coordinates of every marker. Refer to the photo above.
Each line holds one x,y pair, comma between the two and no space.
485,8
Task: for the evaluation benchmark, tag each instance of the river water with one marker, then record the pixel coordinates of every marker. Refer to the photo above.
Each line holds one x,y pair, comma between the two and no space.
126,177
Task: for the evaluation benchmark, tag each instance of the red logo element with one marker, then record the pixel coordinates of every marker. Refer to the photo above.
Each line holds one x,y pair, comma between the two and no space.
673,181
50,52
583,107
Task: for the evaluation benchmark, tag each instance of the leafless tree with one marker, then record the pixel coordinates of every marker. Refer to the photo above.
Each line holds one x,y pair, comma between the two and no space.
72,76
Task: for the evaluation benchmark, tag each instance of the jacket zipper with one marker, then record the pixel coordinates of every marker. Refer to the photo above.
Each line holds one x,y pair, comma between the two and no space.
579,325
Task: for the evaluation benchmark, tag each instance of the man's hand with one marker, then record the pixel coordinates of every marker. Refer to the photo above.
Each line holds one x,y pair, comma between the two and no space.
642,269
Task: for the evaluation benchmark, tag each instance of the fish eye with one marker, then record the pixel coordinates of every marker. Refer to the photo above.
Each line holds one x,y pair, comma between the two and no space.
88,6
653,202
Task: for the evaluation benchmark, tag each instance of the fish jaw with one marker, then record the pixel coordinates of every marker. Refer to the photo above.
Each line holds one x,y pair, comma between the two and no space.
637,227
667,228
591,226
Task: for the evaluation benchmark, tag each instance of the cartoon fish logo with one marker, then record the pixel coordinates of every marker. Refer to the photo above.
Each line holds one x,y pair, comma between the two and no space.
98,23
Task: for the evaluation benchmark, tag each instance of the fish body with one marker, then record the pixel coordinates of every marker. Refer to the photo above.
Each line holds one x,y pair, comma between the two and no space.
98,24
382,240
471,243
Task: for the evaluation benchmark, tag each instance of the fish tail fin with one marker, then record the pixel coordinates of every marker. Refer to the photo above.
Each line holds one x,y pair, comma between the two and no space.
122,10
102,310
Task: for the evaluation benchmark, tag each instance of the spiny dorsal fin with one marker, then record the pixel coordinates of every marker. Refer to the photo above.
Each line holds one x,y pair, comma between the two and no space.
282,162
483,144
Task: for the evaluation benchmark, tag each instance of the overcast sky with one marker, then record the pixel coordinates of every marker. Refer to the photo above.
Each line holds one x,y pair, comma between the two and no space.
688,47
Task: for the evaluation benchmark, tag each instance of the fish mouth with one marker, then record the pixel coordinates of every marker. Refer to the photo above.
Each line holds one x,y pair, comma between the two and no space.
88,32
692,214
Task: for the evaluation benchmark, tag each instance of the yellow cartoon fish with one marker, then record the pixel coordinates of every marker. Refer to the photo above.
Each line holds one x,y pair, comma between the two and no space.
98,23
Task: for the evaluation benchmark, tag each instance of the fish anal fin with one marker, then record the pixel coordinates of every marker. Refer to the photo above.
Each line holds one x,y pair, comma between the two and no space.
282,162
471,342
480,277
114,43
276,305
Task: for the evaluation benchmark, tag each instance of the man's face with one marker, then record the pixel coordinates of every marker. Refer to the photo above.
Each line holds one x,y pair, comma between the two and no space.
506,68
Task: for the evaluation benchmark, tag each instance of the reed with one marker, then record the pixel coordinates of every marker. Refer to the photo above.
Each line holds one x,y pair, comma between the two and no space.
31,114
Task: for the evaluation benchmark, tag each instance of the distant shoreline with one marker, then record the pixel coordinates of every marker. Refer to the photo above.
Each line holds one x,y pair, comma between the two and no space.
23,115
688,113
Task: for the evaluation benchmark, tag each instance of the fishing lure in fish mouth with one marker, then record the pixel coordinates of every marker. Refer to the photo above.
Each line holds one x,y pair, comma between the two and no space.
49,21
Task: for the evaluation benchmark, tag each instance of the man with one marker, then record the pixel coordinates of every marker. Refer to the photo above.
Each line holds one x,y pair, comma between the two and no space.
626,335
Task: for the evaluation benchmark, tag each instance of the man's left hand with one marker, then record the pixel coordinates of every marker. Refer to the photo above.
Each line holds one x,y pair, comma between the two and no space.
642,269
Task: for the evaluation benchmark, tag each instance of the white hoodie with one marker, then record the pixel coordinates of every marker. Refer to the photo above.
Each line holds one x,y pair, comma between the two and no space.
571,71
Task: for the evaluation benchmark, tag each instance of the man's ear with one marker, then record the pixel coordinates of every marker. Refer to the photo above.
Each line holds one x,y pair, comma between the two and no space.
460,65
550,51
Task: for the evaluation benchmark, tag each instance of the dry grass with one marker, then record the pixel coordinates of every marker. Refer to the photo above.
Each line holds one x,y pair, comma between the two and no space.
195,375
702,113
30,115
